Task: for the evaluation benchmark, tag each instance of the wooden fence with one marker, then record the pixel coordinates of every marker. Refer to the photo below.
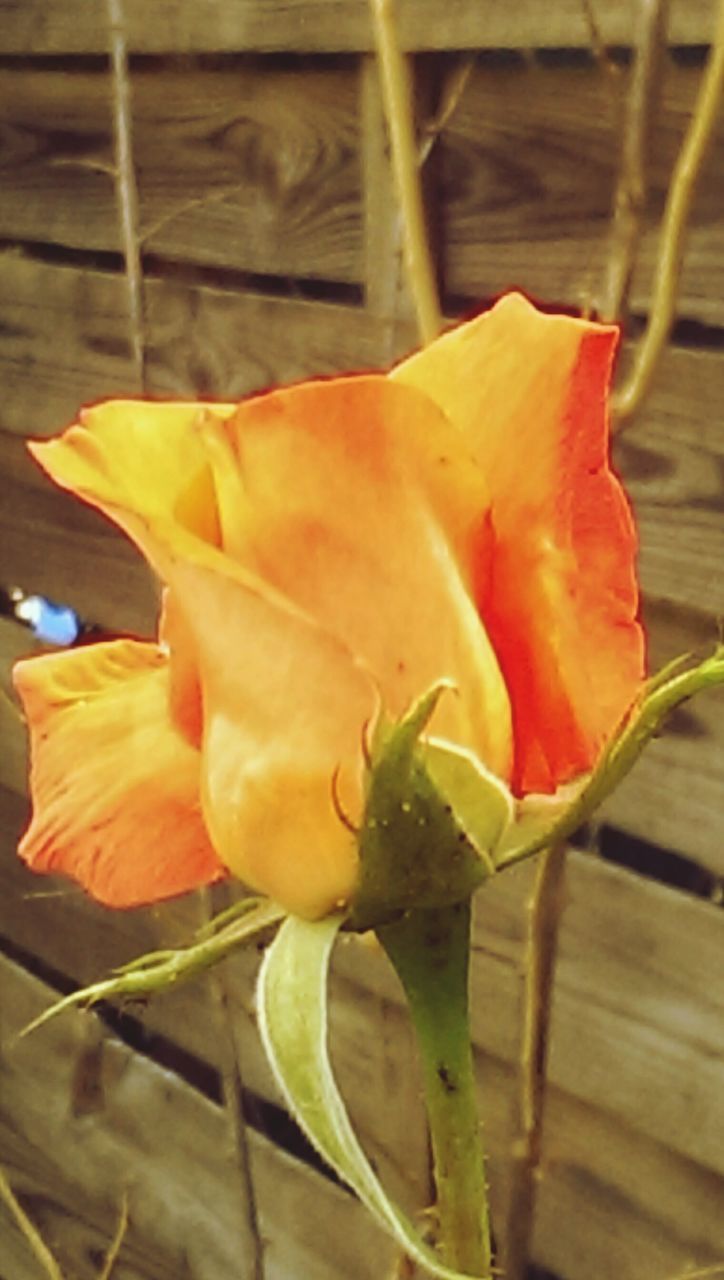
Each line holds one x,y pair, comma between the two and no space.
270,251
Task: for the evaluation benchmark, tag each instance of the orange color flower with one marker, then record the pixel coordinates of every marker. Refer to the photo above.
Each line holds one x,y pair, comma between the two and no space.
323,546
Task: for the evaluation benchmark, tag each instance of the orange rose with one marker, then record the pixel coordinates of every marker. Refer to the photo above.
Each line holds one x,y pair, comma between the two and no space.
322,546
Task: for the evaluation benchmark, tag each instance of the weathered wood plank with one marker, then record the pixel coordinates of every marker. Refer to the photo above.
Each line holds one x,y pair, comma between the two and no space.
64,342
40,915
637,958
56,26
672,462
635,1121
674,797
56,546
152,1135
671,458
528,170
252,169
261,170
614,1200
624,935
641,1214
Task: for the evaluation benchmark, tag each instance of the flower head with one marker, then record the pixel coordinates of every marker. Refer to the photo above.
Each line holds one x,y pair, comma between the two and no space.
322,548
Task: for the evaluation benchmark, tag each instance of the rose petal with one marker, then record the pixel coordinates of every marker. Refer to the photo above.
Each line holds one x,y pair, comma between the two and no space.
558,593
285,709
344,482
344,500
115,788
135,454
284,703
186,705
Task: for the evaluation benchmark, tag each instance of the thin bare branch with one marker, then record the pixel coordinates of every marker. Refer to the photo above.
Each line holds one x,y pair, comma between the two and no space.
232,1089
452,92
632,186
598,44
30,1232
397,94
127,191
115,1246
545,909
701,1273
188,206
673,231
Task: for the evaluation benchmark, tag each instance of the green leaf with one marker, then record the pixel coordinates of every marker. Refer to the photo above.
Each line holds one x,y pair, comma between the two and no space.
432,816
292,1011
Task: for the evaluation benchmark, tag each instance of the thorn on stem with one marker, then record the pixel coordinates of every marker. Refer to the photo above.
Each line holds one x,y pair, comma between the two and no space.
366,743
340,812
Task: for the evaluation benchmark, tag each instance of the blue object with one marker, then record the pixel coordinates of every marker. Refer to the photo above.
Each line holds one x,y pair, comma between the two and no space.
52,623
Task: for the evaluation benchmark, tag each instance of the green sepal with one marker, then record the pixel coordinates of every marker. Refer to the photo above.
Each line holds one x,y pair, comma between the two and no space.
432,816
292,1015
546,820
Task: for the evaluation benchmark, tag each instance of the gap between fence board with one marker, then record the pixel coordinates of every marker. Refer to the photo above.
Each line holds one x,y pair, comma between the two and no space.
154,1135
633,1001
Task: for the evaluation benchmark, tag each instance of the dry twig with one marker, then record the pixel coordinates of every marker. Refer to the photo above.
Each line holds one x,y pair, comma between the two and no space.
452,91
115,1246
126,188
632,186
30,1233
232,1089
598,44
397,95
545,909
673,230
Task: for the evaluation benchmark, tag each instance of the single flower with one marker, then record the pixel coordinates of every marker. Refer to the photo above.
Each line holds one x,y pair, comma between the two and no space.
325,547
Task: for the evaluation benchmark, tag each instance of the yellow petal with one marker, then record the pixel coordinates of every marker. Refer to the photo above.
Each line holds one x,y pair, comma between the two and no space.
284,712
135,455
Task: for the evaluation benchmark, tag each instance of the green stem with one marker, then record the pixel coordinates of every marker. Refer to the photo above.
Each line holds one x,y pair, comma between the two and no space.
430,950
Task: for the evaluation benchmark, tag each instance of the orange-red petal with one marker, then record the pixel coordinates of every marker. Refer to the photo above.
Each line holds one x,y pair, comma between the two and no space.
115,787
342,517
558,590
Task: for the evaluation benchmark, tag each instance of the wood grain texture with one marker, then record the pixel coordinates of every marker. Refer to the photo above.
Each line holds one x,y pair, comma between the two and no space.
152,1135
528,172
53,545
641,1212
260,170
63,342
248,168
673,462
46,917
56,26
633,1144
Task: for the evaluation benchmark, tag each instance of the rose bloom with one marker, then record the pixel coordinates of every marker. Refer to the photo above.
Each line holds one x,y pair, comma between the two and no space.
324,547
